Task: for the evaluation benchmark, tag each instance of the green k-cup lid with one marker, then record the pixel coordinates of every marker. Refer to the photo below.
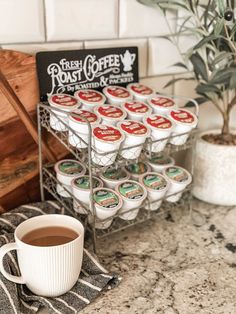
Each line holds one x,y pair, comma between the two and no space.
84,183
177,174
137,168
131,190
115,174
161,160
154,181
70,167
106,198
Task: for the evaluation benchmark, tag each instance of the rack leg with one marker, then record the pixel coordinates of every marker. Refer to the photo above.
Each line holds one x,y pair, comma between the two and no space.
40,155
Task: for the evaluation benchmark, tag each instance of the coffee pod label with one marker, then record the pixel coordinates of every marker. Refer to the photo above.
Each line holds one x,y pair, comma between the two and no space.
162,102
159,122
182,116
138,168
107,133
64,100
133,127
161,160
131,190
90,96
177,174
70,167
90,116
84,182
115,174
106,199
154,182
110,112
117,91
141,89
136,107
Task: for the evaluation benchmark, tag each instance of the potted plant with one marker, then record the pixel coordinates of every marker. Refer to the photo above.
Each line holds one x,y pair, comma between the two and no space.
212,62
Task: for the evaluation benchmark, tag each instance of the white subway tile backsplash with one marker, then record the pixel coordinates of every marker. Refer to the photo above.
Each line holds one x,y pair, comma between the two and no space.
21,21
163,54
140,43
81,19
158,83
34,48
185,87
138,20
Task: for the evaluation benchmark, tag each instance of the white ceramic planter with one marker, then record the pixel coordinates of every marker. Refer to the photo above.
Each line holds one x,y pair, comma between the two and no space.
215,172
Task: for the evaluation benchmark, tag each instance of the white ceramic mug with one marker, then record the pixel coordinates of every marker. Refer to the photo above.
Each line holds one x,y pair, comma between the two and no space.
46,270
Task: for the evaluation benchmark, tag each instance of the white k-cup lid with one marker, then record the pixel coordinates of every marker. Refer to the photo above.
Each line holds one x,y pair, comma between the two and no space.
83,182
107,133
159,122
161,102
140,89
106,198
110,112
154,181
184,117
90,96
138,108
138,168
90,116
131,190
178,175
115,175
63,101
69,167
134,128
161,160
117,92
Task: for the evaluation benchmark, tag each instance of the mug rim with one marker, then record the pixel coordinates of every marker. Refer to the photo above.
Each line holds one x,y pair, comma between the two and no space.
22,224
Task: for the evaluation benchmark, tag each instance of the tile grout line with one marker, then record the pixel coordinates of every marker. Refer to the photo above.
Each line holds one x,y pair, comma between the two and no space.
44,21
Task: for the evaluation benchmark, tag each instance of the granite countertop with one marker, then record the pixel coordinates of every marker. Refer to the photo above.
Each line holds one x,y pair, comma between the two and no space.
169,265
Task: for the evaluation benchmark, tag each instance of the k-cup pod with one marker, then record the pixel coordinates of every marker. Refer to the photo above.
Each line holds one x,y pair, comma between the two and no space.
179,178
80,127
66,170
140,92
184,121
90,98
156,186
106,142
161,128
135,135
133,195
135,170
110,114
111,177
161,105
136,110
116,95
107,203
63,102
81,191
161,162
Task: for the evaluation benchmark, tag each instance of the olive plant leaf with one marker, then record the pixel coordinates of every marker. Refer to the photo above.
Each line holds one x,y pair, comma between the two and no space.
203,89
199,100
219,26
199,66
173,81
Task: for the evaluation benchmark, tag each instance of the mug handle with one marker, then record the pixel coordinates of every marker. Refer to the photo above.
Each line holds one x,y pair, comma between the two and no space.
4,250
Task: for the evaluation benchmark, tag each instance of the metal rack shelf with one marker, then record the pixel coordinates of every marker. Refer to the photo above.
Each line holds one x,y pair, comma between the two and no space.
49,182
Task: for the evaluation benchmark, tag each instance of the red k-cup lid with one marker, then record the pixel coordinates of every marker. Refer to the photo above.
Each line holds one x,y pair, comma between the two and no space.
90,116
159,122
137,107
117,92
183,116
90,96
140,89
110,111
63,100
162,102
107,133
134,128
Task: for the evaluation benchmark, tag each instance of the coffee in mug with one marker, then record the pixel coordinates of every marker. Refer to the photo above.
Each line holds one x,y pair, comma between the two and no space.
49,253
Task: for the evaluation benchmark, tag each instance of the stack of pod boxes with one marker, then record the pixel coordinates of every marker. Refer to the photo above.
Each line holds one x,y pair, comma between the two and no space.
122,119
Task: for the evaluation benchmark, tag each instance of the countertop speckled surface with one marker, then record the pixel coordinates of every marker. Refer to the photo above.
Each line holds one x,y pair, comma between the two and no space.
171,266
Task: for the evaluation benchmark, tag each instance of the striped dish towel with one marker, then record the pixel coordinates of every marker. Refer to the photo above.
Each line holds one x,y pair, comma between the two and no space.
15,298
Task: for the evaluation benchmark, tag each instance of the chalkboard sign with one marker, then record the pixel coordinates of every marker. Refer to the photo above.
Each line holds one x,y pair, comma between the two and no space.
68,71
